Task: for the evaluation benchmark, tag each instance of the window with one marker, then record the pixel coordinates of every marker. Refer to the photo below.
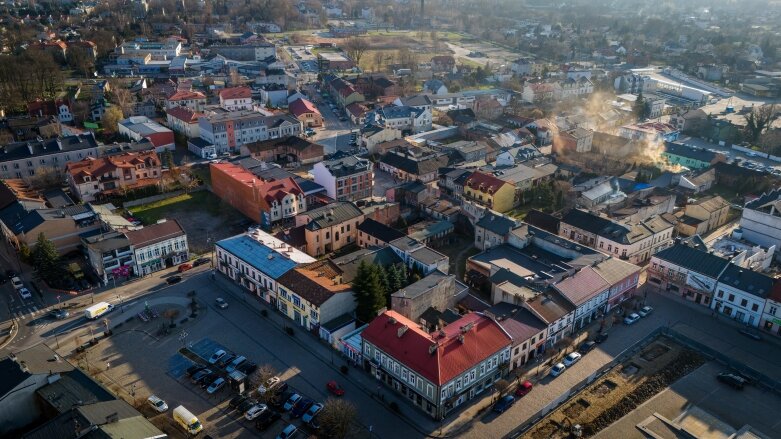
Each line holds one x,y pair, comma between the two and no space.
721,294
755,307
377,355
430,391
772,310
296,300
458,384
731,298
743,302
482,369
366,349
404,375
472,374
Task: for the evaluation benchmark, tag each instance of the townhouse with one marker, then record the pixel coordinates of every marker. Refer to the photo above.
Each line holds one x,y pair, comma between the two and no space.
703,216
331,227
687,271
558,314
20,160
109,254
348,178
439,371
94,177
588,293
158,246
634,242
527,330
489,191
236,98
404,118
692,158
742,294
413,164
771,314
312,294
265,202
193,100
306,112
256,260
372,233
231,130
183,120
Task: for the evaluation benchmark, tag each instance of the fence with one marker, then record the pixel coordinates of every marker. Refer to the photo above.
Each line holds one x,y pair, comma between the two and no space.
165,196
744,149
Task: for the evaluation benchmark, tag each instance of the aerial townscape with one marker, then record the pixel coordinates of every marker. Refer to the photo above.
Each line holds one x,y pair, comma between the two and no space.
401,219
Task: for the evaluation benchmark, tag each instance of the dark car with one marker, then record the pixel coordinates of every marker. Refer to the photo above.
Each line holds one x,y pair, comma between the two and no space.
248,367
278,400
236,401
226,359
59,314
206,380
601,337
586,347
732,380
266,418
201,261
503,404
246,405
195,368
750,334
174,279
198,376
301,407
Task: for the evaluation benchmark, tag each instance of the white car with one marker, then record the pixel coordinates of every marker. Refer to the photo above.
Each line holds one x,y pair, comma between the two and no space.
268,385
158,404
312,412
16,282
571,359
221,303
216,385
25,293
255,411
631,319
645,311
557,369
217,356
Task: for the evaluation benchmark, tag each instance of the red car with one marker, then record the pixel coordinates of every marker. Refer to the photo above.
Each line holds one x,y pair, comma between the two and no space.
524,388
184,267
334,388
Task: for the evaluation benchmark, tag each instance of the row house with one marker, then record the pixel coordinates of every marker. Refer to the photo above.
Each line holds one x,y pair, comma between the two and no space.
314,294
158,246
109,255
20,160
349,178
741,294
265,202
92,177
256,260
527,330
438,371
184,120
632,242
687,271
231,130
771,316
331,227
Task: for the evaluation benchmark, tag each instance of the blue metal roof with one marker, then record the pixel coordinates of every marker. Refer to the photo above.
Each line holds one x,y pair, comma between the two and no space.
254,253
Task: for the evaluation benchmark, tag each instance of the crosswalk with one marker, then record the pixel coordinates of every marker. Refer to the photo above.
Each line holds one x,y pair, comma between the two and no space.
30,312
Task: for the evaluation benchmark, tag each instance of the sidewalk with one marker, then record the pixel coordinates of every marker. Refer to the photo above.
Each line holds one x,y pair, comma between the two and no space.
370,386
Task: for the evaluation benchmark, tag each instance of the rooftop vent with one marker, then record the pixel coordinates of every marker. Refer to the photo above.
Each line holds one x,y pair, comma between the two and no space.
401,331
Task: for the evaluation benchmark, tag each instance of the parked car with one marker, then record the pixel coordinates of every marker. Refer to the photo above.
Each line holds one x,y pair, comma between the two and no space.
750,334
184,267
571,359
268,385
195,368
266,418
233,365
246,405
645,311
236,401
278,400
198,376
157,404
25,293
248,367
207,380
224,361
255,411
175,279
221,303
504,404
216,385
334,388
524,388
59,314
601,337
301,407
314,409
631,319
292,401
587,346
216,356
557,369
288,432
201,261
732,380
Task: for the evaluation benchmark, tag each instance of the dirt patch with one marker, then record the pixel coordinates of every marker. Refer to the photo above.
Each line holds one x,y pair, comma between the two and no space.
619,391
654,352
603,389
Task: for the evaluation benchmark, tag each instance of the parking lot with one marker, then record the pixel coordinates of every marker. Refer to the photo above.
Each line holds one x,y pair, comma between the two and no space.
140,363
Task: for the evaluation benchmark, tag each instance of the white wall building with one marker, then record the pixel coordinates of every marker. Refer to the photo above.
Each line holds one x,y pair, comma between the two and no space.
158,246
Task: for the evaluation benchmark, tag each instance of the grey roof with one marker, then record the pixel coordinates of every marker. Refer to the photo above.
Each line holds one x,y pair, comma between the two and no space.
496,223
405,243
40,359
338,322
73,389
693,259
12,374
349,165
519,322
103,420
752,282
57,198
377,256
550,306
416,100
427,255
379,230
412,165
688,152
37,148
332,214
425,284
105,242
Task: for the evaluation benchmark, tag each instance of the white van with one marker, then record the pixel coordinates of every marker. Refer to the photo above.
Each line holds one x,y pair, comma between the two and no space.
97,310
187,420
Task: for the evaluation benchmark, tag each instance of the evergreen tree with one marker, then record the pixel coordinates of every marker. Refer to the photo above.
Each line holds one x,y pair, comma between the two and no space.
45,259
368,291
639,106
393,281
403,276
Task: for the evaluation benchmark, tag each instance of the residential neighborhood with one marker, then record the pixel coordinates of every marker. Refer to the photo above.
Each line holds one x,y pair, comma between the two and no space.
364,219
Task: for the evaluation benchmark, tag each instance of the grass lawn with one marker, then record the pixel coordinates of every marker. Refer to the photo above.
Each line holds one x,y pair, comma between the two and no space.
195,201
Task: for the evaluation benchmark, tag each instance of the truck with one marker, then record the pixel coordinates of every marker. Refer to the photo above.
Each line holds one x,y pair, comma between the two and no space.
97,310
187,420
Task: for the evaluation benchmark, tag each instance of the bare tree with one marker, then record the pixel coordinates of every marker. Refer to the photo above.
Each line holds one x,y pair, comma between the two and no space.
759,119
111,118
338,417
171,314
355,48
122,97
260,377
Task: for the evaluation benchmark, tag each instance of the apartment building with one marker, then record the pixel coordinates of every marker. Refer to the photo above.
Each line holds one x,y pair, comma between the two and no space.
331,227
94,177
349,178
158,246
230,130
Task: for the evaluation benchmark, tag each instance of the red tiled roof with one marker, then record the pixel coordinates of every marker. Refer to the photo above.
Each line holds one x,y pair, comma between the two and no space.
357,109
184,114
302,106
452,356
267,191
235,93
183,95
155,233
484,183
107,165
